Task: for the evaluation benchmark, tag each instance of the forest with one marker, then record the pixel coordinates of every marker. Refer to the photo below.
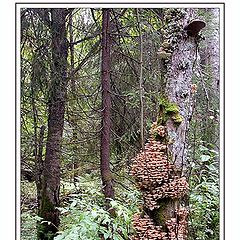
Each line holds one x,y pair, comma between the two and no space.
120,123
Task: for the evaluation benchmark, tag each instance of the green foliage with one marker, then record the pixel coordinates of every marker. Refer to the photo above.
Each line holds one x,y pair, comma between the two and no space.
204,197
28,225
94,221
28,214
86,218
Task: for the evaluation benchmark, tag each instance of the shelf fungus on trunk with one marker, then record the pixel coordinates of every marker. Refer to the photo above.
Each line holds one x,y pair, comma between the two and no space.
157,179
194,27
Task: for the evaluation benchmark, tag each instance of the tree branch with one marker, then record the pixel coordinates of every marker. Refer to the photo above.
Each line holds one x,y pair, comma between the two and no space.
90,54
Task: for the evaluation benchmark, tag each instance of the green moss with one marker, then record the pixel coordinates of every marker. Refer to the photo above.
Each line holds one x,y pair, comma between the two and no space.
168,110
48,213
171,108
161,218
46,205
157,137
108,177
177,118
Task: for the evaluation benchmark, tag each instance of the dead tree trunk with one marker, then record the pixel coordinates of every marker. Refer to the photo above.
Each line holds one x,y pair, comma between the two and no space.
56,106
209,77
179,95
107,180
161,168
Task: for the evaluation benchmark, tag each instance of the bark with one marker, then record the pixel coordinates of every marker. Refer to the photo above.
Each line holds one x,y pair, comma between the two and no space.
56,106
73,124
141,93
107,180
160,169
39,166
209,78
178,91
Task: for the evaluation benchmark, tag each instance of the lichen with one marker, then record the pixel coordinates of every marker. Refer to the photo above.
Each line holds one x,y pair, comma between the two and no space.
164,55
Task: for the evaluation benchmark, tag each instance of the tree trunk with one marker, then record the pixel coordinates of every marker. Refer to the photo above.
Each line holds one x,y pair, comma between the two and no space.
178,90
160,169
56,106
39,166
141,88
210,53
209,78
107,180
179,73
73,124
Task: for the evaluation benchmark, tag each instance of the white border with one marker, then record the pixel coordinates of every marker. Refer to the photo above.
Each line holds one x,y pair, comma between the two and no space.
123,5
7,120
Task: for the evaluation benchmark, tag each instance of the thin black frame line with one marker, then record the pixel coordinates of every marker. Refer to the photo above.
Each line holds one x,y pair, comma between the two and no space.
15,127
224,156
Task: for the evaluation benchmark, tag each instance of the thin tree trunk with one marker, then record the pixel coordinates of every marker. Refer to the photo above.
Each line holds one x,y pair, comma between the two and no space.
56,107
210,54
209,77
39,166
141,82
107,180
75,163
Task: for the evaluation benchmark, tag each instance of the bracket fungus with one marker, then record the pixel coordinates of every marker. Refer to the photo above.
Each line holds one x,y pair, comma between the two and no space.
194,27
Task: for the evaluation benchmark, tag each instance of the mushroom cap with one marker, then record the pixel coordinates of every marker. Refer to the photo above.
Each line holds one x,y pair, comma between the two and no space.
194,27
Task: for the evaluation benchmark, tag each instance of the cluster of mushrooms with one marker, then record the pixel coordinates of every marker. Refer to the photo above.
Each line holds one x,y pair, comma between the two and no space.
156,178
146,228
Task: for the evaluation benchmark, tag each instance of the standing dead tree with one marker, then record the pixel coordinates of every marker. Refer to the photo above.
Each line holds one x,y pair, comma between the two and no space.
160,169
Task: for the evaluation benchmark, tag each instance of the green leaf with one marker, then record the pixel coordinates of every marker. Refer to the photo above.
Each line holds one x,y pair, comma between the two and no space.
113,203
94,213
205,158
202,148
74,203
